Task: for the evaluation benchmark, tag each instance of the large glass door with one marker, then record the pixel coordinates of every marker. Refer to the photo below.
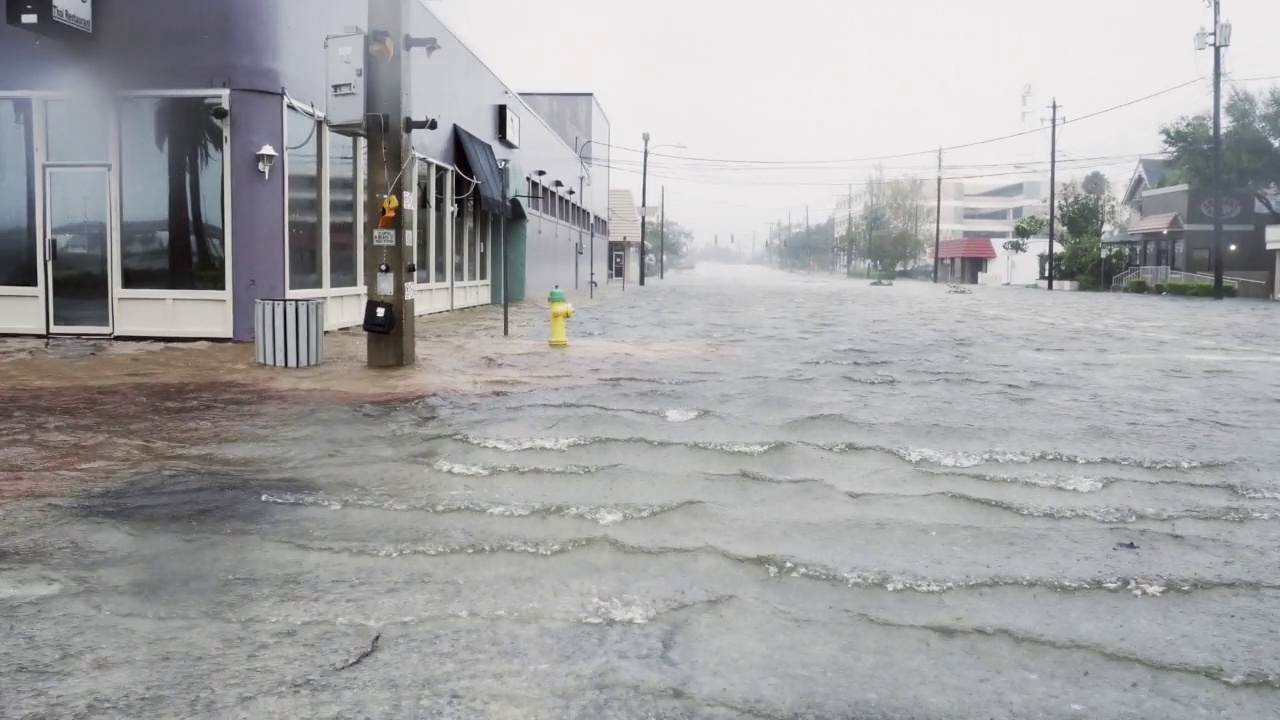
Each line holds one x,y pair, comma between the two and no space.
78,249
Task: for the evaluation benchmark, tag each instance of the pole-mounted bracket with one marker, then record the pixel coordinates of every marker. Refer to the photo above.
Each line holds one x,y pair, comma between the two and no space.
430,44
428,124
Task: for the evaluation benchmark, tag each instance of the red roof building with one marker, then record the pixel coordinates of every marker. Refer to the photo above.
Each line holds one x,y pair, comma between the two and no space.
970,248
962,260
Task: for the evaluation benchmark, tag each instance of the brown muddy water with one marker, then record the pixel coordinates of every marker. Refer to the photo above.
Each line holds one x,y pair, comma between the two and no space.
738,494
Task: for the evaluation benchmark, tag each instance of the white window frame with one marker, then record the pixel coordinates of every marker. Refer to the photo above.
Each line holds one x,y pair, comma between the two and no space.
322,209
117,184
358,201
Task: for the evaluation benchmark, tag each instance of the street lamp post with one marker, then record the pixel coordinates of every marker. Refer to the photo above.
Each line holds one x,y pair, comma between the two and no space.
591,256
644,206
644,201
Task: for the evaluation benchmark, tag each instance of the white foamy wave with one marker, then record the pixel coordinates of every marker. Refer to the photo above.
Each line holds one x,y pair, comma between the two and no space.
736,447
522,444
965,459
453,468
600,514
679,415
630,611
1070,483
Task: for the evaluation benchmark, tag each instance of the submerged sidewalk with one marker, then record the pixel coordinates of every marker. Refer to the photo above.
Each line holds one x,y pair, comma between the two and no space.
79,410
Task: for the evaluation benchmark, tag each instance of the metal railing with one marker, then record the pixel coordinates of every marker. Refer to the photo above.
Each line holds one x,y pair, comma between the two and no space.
1162,274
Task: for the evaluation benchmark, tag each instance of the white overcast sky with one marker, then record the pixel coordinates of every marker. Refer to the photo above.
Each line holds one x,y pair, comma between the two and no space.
832,80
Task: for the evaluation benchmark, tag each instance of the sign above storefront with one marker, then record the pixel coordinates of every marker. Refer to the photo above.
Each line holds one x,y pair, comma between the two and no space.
66,19
508,126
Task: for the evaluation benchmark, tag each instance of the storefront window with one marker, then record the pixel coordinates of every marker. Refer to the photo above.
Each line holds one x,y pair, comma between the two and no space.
426,220
460,240
491,245
441,257
19,250
77,132
302,153
473,239
344,194
172,214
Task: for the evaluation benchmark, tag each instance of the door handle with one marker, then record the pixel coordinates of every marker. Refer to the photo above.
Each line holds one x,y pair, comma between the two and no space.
52,246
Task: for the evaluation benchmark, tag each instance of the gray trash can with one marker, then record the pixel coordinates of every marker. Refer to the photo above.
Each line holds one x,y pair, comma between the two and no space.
289,333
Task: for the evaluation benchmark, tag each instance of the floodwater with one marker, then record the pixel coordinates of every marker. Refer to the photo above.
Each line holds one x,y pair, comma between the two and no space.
779,496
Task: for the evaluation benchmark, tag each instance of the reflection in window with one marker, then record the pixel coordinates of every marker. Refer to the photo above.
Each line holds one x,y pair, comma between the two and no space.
460,239
491,245
344,193
302,153
171,185
426,216
18,246
473,226
443,188
77,132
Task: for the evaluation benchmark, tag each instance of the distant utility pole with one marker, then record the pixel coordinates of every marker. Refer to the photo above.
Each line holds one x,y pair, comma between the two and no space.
937,223
662,237
807,246
1053,182
848,231
1221,38
644,206
388,251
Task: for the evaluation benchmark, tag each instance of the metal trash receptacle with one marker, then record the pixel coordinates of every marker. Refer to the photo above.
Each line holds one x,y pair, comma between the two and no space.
289,333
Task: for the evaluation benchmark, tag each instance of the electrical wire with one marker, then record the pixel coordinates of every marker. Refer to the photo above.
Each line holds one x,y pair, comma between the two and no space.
962,146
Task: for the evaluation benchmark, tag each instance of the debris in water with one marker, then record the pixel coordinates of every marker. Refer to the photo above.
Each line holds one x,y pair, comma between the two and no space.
1127,546
373,647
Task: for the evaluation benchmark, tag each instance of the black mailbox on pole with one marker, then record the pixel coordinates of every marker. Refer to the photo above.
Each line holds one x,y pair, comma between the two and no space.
61,19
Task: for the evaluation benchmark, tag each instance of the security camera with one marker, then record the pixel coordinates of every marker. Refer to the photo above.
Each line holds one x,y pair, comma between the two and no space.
266,158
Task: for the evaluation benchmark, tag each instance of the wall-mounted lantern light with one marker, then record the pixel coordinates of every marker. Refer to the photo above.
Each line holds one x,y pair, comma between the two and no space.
266,158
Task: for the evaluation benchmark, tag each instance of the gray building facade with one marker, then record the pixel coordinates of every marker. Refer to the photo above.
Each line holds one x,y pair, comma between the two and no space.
135,200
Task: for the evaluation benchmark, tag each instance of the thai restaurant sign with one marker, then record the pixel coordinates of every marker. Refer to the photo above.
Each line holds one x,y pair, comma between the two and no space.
55,18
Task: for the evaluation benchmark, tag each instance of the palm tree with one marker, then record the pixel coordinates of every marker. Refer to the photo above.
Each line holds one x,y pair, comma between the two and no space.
190,135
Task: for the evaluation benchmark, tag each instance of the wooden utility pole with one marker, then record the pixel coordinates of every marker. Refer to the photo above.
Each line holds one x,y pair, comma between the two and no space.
848,233
937,222
388,245
1053,181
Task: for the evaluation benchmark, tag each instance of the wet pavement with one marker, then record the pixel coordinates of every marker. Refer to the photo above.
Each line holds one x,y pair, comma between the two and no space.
738,494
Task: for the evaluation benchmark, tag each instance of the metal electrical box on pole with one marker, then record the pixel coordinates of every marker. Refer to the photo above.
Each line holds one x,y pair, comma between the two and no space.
388,246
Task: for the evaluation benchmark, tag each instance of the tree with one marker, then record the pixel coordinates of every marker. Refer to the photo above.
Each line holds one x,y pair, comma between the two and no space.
1082,213
1250,143
677,240
1023,231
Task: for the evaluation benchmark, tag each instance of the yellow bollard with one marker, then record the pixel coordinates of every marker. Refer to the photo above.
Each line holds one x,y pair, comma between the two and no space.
561,311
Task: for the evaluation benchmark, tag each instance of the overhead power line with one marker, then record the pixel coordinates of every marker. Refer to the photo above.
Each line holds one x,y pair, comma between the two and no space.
930,151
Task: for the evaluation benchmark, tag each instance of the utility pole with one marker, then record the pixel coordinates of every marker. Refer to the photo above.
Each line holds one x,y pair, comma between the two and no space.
388,250
808,248
644,206
785,238
1221,38
937,223
1053,183
848,232
662,241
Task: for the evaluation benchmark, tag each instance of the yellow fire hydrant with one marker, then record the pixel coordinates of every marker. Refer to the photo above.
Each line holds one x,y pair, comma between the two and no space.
561,311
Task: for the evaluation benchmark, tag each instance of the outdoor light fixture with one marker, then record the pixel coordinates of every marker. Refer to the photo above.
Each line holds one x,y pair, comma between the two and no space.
430,44
266,158
1233,248
429,124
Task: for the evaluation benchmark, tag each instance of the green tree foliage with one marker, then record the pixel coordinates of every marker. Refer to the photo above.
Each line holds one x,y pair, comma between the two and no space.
1250,143
890,229
677,242
1084,213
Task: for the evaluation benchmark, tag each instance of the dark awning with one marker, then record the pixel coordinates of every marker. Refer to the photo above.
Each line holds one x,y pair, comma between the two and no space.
482,165
1161,223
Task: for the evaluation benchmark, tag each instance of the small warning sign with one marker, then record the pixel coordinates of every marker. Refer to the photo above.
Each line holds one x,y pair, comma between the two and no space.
384,238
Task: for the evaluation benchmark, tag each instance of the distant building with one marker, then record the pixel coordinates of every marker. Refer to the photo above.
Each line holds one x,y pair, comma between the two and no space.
624,237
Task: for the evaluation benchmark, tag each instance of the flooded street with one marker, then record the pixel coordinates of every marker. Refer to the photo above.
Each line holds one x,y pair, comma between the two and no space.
738,494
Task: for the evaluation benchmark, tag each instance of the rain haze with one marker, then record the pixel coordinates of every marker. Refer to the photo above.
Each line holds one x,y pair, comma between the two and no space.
819,87
346,370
